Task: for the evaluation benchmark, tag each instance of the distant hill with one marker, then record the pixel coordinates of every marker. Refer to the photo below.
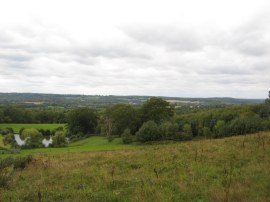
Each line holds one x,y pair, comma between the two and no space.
66,100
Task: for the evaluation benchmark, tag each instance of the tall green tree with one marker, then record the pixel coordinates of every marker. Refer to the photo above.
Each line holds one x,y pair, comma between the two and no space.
187,132
82,121
157,110
121,117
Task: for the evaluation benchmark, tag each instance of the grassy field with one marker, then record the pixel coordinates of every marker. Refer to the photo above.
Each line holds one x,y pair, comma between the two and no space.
95,143
17,127
230,169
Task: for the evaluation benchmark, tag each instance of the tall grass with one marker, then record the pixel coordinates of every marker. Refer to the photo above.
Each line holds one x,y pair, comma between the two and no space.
204,170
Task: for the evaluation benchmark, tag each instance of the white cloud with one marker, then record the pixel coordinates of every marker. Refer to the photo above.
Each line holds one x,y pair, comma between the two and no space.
173,48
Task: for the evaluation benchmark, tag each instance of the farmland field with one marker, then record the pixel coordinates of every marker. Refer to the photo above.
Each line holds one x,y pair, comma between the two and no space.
17,127
229,169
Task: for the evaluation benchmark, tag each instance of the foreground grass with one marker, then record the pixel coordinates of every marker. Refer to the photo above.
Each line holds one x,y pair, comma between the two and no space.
230,169
17,127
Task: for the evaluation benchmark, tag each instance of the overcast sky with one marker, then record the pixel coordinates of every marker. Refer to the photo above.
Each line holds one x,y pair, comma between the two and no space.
184,48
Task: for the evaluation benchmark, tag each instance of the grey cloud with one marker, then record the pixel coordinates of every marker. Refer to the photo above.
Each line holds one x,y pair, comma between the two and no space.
161,60
252,38
111,51
170,37
15,57
226,70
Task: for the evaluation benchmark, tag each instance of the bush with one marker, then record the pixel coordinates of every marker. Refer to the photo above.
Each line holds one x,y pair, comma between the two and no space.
21,130
9,140
169,131
206,132
59,139
6,131
5,175
126,136
34,138
110,138
7,166
148,132
187,132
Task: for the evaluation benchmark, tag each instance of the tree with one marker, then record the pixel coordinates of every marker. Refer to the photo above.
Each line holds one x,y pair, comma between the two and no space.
33,138
157,110
148,132
169,130
267,101
187,132
82,120
120,117
206,132
126,136
219,132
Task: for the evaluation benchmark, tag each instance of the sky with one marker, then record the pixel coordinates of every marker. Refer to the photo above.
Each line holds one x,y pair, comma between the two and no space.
177,48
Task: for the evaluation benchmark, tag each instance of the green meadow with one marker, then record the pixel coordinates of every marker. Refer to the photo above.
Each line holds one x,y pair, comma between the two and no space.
95,143
229,169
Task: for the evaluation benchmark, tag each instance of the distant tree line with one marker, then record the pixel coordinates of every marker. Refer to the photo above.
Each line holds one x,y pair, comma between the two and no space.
19,114
156,120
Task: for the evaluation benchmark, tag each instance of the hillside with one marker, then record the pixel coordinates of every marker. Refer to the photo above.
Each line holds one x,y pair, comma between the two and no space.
61,100
229,169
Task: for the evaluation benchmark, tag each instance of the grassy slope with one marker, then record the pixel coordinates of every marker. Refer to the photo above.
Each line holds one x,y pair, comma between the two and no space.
230,169
95,143
17,127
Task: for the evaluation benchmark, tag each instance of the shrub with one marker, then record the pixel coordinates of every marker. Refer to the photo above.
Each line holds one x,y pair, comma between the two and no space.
148,132
7,131
9,139
34,138
110,138
169,131
126,136
187,132
7,166
206,132
5,175
59,139
21,130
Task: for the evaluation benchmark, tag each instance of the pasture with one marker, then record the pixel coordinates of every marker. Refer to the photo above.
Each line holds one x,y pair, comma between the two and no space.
229,169
95,143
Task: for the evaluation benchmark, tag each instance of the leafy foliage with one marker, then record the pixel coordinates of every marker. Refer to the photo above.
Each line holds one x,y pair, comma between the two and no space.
149,132
127,137
82,120
157,110
33,138
59,139
122,116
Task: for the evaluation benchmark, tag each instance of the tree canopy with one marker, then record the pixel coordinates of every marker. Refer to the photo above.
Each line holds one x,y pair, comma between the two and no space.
157,110
82,120
122,116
